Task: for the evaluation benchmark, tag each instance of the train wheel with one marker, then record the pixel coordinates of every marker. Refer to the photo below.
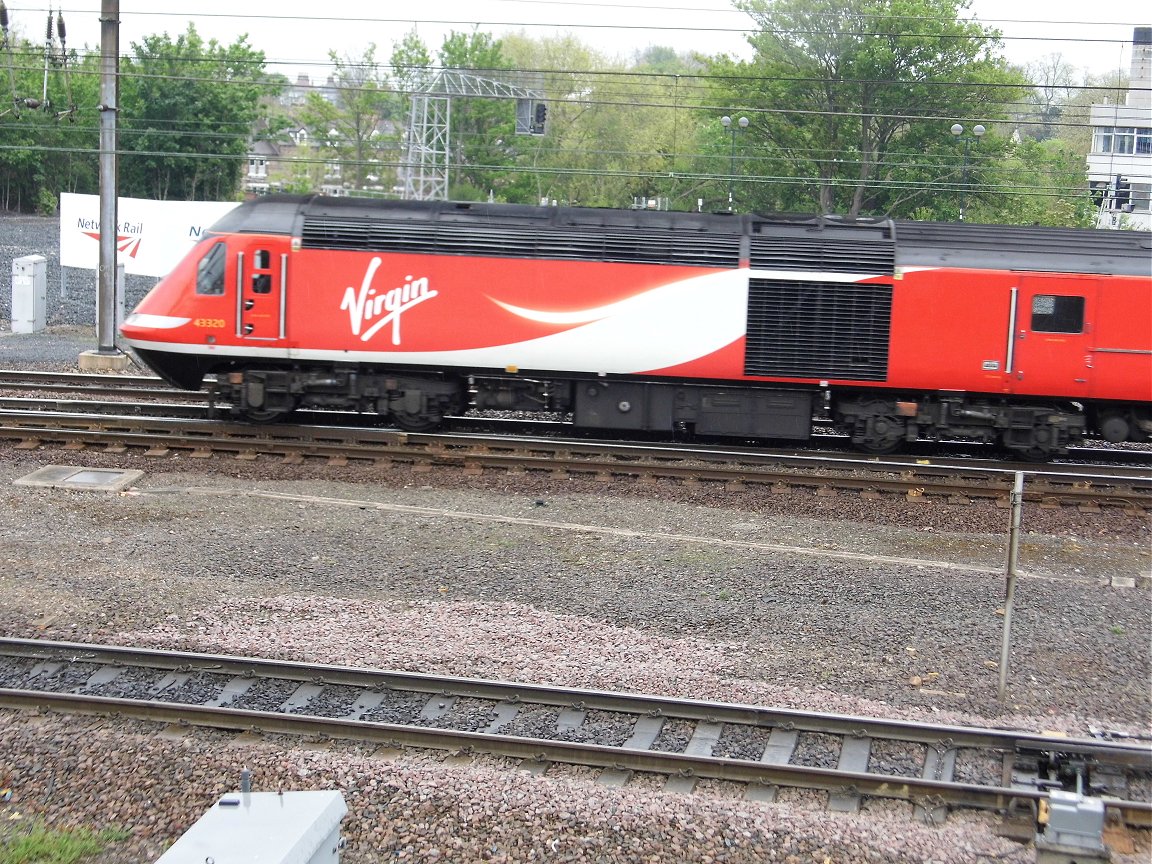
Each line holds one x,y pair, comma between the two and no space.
416,422
1041,447
265,415
1114,427
879,435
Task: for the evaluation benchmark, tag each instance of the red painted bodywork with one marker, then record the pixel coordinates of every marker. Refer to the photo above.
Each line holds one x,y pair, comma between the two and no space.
950,328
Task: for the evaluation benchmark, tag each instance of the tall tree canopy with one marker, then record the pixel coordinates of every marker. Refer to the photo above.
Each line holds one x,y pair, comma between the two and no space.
351,125
839,88
187,109
46,147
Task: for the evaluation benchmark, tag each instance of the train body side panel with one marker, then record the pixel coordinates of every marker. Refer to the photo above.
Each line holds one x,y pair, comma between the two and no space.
500,313
975,331
950,331
1120,342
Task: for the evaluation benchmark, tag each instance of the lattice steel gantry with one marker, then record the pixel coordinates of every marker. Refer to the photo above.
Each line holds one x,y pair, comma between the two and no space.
427,154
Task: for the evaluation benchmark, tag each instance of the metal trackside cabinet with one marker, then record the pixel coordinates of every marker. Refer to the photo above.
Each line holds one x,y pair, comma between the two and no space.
29,294
264,828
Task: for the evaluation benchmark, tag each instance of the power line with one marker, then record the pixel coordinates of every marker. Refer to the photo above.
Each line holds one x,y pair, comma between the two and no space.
752,29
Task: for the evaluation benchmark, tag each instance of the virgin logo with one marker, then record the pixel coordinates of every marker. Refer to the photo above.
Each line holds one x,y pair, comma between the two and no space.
370,310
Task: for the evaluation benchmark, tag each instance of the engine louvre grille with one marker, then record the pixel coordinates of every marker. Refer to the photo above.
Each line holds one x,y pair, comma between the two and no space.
818,329
652,246
822,254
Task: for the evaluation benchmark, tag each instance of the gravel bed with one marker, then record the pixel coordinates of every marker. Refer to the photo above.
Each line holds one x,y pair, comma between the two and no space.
71,300
742,742
515,577
898,758
816,750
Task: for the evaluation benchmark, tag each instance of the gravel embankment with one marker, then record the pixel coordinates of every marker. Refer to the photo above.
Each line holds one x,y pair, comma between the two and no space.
72,293
567,582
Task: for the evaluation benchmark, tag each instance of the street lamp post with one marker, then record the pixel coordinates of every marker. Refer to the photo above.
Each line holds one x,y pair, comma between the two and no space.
977,133
740,125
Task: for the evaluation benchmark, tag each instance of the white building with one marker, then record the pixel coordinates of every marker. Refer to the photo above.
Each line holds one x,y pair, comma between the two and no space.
1120,164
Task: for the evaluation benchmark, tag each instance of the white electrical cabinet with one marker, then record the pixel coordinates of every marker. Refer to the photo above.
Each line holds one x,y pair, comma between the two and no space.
29,294
259,827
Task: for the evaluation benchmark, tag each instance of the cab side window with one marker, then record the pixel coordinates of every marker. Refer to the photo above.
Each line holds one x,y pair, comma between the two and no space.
210,271
1052,313
261,282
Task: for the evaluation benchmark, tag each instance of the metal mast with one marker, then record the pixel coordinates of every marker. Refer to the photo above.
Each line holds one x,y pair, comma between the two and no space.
427,153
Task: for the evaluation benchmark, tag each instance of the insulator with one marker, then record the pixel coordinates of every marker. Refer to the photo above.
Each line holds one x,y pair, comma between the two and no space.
60,26
3,18
48,31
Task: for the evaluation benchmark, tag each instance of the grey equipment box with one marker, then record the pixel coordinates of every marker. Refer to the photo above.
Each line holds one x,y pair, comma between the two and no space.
264,828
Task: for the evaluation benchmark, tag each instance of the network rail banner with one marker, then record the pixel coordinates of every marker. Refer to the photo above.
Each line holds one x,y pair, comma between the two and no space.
152,236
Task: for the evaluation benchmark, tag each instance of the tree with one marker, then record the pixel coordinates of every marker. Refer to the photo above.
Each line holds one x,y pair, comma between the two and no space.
480,128
839,84
1054,80
1041,183
187,109
1074,128
354,126
411,70
46,147
614,134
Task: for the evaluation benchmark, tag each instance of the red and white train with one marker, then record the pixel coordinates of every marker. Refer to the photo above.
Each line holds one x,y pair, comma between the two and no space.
727,325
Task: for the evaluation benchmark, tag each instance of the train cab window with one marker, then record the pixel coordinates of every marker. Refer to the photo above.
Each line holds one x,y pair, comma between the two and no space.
261,259
1052,313
210,271
261,283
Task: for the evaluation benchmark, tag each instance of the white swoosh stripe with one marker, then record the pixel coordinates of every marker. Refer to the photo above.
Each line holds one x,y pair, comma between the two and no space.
155,322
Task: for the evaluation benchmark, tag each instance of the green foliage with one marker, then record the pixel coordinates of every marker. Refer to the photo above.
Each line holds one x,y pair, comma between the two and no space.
187,110
351,129
411,70
36,844
850,103
481,128
46,202
51,146
1039,183
859,79
614,134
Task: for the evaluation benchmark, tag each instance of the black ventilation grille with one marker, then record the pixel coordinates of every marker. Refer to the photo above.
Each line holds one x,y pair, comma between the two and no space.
821,255
818,330
646,246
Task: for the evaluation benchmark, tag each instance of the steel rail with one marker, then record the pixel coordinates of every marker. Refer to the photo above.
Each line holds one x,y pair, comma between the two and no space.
151,385
77,380
160,436
927,792
1129,755
195,407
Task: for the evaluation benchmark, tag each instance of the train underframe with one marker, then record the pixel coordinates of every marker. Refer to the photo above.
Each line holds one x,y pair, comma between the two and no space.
877,422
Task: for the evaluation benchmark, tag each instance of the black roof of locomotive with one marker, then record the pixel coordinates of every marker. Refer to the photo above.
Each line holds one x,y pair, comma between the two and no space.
1019,247
923,244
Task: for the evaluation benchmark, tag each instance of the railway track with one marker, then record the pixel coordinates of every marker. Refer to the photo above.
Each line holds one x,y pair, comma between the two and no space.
950,481
934,767
118,390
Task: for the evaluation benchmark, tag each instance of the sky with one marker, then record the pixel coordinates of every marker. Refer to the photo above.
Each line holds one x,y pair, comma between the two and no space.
296,36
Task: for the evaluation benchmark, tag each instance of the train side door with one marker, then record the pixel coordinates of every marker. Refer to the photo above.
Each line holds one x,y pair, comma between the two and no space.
1051,337
261,272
